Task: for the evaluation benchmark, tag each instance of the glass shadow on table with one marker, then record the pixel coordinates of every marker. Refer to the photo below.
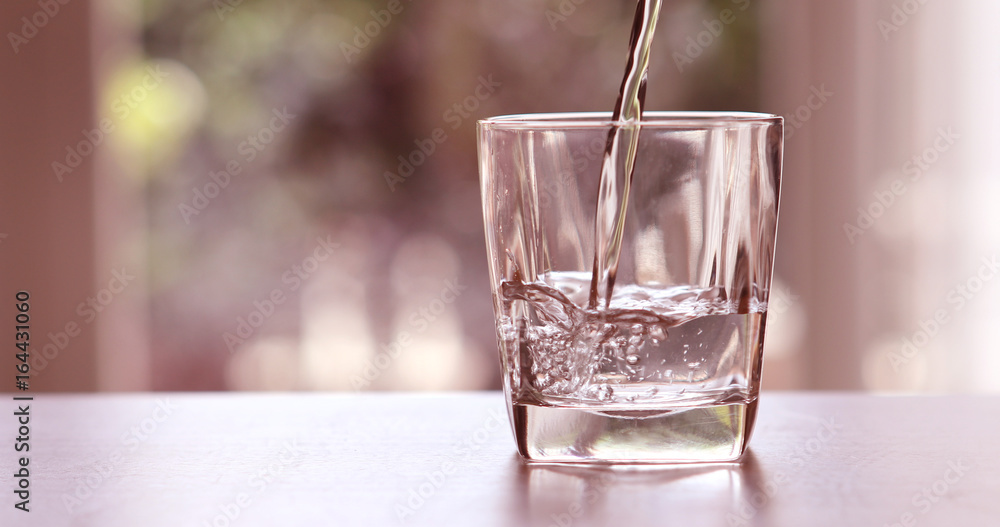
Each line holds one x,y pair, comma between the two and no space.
717,494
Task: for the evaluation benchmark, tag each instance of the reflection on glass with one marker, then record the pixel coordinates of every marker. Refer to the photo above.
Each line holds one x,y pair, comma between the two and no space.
719,494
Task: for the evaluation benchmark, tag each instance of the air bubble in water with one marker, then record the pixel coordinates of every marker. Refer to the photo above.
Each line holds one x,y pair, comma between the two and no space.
509,334
577,353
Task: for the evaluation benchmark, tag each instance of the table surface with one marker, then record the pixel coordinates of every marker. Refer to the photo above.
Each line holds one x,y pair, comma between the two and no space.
448,459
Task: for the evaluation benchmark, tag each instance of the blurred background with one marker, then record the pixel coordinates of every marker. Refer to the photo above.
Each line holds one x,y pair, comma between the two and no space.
265,195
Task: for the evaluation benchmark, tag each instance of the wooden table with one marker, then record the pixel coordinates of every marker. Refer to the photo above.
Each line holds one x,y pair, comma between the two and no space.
200,460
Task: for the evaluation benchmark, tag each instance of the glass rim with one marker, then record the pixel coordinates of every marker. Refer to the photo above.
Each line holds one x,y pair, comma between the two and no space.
660,119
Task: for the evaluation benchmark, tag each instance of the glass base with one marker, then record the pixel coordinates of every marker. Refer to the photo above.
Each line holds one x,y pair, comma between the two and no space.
610,435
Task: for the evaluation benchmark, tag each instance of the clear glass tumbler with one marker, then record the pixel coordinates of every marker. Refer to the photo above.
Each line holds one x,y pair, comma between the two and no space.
668,369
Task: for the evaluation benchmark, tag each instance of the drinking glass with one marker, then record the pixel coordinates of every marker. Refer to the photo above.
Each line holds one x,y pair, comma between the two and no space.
665,369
